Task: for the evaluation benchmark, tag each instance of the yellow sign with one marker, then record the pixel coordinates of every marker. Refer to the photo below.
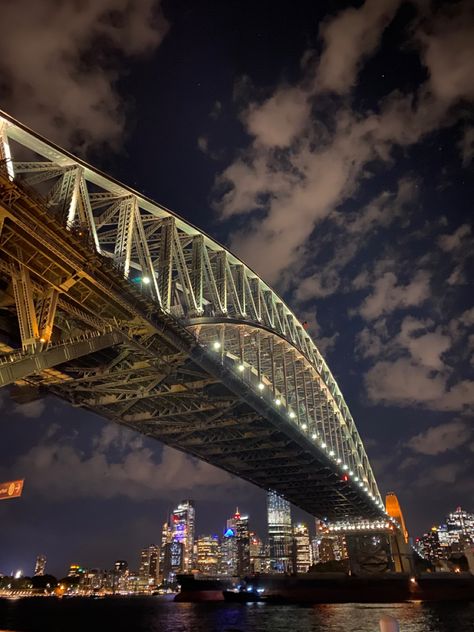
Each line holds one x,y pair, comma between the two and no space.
11,489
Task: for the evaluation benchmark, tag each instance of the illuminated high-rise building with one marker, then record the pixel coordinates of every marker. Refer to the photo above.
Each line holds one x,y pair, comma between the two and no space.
228,551
302,552
120,576
40,565
279,532
183,519
173,561
242,536
258,559
460,526
148,573
166,538
207,554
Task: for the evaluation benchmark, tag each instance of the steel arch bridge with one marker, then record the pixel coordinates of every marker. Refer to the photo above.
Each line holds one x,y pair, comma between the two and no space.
116,304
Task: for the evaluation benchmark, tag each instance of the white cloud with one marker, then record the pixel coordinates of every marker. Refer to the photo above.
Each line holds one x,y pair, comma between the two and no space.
425,349
277,121
388,295
441,438
57,64
403,383
453,241
348,39
118,465
467,146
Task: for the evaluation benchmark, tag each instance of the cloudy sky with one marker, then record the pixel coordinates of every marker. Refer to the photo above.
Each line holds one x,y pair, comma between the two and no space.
328,144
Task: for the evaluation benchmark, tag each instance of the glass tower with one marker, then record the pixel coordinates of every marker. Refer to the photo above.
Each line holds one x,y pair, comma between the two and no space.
183,530
279,532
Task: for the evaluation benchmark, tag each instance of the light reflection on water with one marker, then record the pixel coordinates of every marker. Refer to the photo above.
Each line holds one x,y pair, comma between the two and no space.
162,615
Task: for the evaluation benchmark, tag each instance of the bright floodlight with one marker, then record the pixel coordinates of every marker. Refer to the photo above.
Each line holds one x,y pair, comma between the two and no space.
277,402
146,280
216,345
261,386
241,368
323,445
292,414
304,426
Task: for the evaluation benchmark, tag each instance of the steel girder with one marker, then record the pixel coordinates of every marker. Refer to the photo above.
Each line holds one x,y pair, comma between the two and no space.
168,289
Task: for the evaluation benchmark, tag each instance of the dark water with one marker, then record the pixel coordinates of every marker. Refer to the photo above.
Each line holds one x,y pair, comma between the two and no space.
160,614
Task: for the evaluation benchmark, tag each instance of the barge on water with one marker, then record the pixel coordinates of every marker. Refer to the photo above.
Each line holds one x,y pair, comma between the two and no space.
330,588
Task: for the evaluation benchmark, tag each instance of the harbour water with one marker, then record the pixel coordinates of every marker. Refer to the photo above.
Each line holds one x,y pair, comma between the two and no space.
161,614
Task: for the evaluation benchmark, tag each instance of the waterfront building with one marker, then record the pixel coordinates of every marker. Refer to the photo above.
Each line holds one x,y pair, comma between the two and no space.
183,520
279,532
120,576
40,566
302,553
429,546
207,554
76,571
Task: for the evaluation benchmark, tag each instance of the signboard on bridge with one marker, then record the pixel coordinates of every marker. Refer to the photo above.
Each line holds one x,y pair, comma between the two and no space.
11,489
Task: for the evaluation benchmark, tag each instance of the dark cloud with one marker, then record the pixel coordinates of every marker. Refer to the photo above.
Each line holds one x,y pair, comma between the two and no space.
59,64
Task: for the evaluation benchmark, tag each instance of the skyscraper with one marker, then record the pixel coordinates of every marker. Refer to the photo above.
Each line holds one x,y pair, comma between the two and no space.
183,530
302,553
243,543
166,539
148,574
208,554
40,565
279,532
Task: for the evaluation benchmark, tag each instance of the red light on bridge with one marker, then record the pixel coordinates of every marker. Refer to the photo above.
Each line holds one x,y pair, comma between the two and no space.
344,478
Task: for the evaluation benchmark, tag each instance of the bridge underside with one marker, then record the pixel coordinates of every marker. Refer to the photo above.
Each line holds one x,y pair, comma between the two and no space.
239,395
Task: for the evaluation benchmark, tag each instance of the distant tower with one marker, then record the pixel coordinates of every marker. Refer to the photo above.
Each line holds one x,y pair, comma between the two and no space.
148,574
302,553
40,565
242,536
394,510
183,530
279,532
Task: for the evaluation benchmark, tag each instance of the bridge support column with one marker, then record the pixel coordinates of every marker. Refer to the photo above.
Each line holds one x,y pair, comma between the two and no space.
369,553
402,554
25,307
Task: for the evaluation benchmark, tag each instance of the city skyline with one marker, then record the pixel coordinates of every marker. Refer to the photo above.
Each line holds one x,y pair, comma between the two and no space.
287,136
458,521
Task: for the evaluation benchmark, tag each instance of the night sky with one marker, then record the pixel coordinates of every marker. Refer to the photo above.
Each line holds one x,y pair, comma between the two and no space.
329,144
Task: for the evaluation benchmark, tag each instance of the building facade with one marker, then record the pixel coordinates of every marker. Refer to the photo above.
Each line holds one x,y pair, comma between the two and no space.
183,521
302,551
40,565
279,533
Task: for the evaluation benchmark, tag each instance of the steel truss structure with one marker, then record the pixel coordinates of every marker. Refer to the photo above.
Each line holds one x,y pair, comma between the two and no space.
122,307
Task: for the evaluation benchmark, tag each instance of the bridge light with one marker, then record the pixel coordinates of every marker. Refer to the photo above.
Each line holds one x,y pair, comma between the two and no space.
338,460
351,473
146,280
314,436
241,368
216,345
292,414
331,452
278,402
323,445
304,426
261,386
356,479
361,484
345,467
